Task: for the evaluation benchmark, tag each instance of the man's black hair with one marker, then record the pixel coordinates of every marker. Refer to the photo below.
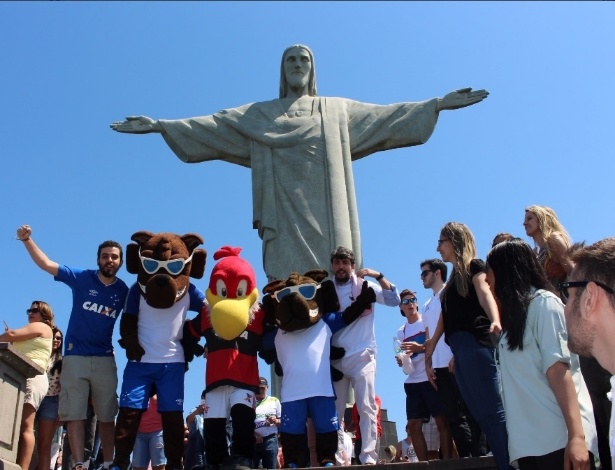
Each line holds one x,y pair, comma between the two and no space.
342,253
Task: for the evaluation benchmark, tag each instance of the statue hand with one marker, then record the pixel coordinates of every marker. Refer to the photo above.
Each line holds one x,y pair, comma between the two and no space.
461,98
136,125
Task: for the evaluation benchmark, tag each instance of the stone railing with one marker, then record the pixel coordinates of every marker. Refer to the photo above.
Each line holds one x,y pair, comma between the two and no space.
15,368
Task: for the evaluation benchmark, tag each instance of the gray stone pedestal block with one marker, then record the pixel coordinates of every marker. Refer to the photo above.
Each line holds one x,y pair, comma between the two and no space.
15,369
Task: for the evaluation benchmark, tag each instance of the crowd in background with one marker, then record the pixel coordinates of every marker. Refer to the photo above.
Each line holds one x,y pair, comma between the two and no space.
487,362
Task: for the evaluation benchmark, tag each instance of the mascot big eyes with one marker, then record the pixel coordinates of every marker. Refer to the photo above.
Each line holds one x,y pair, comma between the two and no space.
232,293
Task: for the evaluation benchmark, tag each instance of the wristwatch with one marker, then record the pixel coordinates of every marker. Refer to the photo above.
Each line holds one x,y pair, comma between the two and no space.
380,276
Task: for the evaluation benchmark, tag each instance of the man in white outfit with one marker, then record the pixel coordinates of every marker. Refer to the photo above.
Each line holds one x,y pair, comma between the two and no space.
359,342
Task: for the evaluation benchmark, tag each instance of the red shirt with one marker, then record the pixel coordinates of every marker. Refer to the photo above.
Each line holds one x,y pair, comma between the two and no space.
355,419
230,362
151,421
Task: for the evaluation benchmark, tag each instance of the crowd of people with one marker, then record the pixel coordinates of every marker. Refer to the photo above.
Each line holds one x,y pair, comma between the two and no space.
506,344
490,359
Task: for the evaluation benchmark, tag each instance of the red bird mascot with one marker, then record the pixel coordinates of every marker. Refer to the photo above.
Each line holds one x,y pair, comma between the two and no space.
232,325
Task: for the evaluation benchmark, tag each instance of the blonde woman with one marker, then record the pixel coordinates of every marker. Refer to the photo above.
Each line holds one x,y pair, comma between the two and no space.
34,341
551,243
470,323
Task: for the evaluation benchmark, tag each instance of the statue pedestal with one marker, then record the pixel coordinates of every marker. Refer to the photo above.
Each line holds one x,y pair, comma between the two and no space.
15,368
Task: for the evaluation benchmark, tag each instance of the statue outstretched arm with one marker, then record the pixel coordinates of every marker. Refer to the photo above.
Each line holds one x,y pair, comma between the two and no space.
137,125
461,98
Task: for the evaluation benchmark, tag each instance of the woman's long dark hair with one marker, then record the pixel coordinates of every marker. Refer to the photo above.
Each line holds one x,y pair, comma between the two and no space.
56,354
516,270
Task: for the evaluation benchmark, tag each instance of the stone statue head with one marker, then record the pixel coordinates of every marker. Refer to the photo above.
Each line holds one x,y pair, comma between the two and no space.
312,80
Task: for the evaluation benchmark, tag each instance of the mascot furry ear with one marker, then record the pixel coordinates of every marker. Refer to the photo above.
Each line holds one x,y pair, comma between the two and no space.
164,263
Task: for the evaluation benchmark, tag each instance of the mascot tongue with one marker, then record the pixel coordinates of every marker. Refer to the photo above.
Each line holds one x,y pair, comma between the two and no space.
231,294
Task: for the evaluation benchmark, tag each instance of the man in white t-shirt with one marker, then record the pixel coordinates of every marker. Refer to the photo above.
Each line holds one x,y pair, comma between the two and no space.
268,414
589,296
359,341
422,400
433,276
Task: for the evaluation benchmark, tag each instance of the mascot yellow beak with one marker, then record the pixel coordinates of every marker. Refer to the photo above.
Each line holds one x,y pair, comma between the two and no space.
230,316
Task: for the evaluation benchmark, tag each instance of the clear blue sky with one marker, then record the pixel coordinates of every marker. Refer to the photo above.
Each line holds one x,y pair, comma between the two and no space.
544,135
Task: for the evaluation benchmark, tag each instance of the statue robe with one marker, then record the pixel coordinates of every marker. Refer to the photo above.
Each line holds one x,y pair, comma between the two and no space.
303,193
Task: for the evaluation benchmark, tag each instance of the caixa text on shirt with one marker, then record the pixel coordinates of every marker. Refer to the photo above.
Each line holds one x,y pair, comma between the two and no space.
94,307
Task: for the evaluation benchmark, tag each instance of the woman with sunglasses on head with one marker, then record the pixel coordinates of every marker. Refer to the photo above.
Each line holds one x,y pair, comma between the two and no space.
35,342
47,413
470,323
549,412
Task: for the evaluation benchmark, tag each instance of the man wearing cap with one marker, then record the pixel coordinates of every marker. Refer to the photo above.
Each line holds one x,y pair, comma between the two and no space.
268,413
390,452
359,341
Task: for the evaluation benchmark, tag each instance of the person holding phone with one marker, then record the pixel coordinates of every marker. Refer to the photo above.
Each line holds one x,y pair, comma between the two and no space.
34,341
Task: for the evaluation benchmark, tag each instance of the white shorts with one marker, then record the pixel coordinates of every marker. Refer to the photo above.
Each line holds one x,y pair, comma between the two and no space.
219,401
36,389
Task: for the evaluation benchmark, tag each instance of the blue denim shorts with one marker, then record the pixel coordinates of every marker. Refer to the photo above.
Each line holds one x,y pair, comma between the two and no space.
148,446
48,409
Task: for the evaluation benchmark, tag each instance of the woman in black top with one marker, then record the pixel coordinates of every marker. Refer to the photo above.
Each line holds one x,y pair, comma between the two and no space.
470,323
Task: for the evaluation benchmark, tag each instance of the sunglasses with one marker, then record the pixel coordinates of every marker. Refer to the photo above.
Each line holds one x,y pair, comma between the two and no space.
307,291
173,266
425,273
563,287
413,300
442,241
32,310
58,338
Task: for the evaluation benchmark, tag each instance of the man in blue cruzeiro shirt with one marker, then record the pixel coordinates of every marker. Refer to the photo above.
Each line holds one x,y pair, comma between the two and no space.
89,364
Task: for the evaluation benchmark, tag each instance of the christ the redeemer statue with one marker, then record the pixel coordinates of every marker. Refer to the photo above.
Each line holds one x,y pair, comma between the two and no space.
300,148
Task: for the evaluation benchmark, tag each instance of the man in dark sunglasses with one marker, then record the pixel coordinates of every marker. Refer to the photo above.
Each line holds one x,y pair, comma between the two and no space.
433,275
358,339
590,311
89,364
422,399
